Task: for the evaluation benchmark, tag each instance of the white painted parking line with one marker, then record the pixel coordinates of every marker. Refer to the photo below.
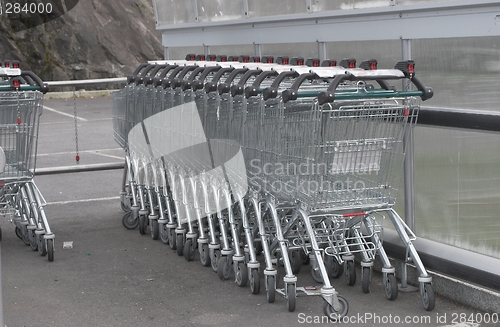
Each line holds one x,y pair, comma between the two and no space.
84,200
63,113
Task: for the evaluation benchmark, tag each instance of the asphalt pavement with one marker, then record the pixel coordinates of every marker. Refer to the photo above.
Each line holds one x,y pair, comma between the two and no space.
116,277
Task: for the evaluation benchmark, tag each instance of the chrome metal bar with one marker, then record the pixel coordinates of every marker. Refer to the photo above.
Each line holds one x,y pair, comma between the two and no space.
116,80
78,169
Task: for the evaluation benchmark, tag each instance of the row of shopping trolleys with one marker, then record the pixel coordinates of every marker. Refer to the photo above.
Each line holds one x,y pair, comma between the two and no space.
21,101
299,163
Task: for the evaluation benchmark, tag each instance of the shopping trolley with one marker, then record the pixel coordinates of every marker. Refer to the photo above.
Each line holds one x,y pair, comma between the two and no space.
21,97
349,138
345,126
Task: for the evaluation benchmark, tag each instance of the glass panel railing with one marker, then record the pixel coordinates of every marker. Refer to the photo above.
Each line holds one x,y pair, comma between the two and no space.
464,72
457,188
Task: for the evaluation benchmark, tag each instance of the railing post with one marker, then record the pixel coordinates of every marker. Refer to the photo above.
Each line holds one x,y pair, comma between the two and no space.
257,50
408,163
408,175
321,51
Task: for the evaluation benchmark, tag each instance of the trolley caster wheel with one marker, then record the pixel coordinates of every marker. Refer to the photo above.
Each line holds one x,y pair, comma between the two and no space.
129,221
23,234
125,206
316,275
255,281
33,241
189,248
26,237
304,257
204,255
42,246
295,261
224,267
350,273
365,279
50,250
172,241
19,233
155,229
257,244
391,287
291,297
180,244
214,259
336,315
333,267
241,274
270,288
428,297
163,233
142,224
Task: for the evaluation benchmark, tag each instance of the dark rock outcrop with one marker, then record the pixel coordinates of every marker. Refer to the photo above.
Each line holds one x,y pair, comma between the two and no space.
96,39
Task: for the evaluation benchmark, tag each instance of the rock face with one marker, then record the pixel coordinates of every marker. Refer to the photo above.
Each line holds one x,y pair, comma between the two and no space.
96,39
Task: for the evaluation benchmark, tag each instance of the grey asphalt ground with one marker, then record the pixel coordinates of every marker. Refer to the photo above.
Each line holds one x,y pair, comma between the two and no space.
116,277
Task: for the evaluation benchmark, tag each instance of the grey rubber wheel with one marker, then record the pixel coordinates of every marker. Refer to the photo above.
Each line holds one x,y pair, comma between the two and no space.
224,267
336,315
350,273
391,287
291,297
255,281
365,280
204,255
50,250
270,288
428,297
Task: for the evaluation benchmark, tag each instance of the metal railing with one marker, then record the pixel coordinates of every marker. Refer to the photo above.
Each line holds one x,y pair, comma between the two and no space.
474,267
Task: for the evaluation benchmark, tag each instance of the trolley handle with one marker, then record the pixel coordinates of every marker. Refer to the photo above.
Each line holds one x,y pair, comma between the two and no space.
272,91
328,95
26,74
253,90
26,80
139,79
293,92
167,82
150,79
159,79
199,83
177,81
237,89
212,85
225,87
131,78
428,91
187,83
